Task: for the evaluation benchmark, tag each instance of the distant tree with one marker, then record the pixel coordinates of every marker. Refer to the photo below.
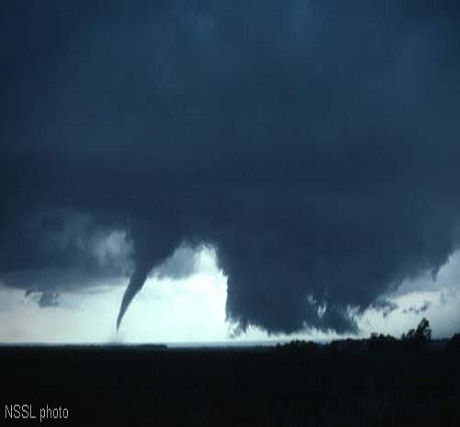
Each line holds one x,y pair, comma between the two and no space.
454,342
418,337
423,331
300,345
381,342
352,345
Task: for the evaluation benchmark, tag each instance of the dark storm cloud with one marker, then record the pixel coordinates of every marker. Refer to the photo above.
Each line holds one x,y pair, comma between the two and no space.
42,299
385,306
48,299
53,249
315,144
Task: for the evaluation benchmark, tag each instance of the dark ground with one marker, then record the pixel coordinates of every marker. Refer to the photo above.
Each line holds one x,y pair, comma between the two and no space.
335,385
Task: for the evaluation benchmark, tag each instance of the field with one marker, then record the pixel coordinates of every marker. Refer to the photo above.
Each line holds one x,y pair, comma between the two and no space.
345,384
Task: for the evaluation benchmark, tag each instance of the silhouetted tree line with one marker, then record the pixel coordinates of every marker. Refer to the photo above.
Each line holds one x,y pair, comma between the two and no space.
419,337
454,342
414,339
299,345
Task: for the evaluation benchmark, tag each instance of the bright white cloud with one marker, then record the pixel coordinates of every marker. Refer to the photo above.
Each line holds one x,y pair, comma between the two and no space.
184,310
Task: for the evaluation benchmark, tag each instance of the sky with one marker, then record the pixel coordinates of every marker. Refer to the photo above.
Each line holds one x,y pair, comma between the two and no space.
209,171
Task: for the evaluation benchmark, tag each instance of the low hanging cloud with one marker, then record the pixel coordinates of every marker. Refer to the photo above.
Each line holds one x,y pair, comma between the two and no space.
418,310
313,144
384,306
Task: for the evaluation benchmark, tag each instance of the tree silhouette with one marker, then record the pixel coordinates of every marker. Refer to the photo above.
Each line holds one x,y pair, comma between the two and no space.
454,342
381,342
418,337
